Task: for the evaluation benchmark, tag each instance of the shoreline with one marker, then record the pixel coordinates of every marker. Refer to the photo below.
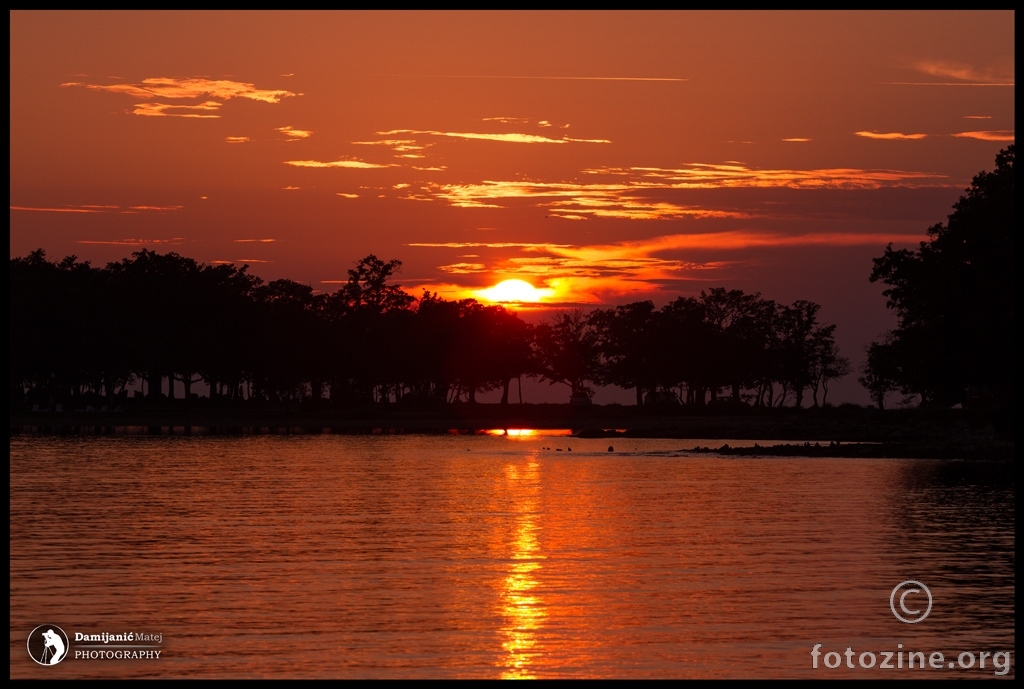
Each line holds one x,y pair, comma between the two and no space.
841,431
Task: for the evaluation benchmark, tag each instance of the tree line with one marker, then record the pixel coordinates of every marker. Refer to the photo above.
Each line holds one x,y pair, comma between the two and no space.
84,334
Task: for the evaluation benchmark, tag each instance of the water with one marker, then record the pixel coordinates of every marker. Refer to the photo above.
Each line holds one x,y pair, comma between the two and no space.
481,556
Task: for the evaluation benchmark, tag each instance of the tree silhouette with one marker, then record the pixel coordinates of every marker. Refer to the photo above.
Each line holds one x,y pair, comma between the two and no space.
881,373
953,297
626,340
568,350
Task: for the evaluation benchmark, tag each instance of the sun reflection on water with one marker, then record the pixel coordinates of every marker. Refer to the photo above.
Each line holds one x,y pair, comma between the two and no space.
522,608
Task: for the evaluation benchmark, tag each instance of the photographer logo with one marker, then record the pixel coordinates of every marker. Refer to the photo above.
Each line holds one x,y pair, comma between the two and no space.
48,644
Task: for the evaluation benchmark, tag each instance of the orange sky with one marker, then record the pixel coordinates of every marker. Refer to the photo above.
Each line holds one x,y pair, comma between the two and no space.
602,157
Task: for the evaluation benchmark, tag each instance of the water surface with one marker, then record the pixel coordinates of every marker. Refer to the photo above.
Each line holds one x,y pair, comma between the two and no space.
483,556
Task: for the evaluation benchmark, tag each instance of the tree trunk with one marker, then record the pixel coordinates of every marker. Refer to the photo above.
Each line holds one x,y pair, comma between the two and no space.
639,396
155,383
504,392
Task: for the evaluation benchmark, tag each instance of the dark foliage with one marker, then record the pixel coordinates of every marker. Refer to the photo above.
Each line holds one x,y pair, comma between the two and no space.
954,300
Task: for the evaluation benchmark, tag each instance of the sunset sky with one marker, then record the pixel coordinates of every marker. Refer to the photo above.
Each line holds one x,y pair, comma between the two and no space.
602,157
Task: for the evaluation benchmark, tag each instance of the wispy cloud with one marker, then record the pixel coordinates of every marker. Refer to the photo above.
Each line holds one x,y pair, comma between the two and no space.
733,175
94,208
172,110
977,117
397,145
999,73
797,140
489,245
359,164
294,134
507,120
131,242
166,87
348,196
249,241
544,78
42,209
464,268
508,138
237,139
631,197
995,135
890,135
571,199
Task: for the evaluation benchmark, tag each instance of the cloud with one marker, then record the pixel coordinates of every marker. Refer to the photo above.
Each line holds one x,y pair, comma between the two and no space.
571,199
131,242
507,120
889,135
37,209
995,135
247,241
464,268
488,245
336,163
293,133
631,198
164,87
797,140
398,146
94,208
545,78
171,110
348,196
999,73
237,139
977,117
593,274
543,123
508,138
290,188
733,174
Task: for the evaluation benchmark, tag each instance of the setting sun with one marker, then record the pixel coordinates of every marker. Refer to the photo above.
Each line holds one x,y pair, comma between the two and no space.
518,291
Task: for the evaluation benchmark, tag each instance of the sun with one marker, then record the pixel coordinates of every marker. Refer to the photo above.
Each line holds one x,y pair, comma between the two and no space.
516,291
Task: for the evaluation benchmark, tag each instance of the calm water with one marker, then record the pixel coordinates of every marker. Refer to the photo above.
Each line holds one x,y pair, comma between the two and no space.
479,556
